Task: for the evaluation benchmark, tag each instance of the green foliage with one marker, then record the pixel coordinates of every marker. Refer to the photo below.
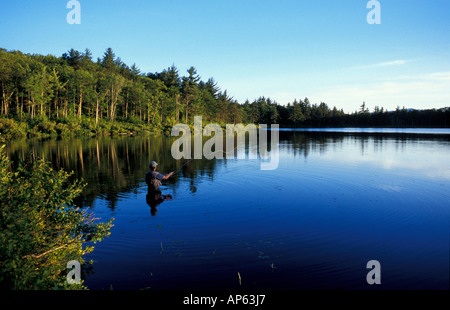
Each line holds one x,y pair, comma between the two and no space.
62,130
9,128
41,230
82,94
41,125
50,88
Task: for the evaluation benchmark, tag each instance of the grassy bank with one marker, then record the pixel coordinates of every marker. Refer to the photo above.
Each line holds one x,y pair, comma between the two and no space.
42,127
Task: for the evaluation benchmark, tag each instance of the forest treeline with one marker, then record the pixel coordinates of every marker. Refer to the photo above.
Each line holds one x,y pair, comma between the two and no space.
74,93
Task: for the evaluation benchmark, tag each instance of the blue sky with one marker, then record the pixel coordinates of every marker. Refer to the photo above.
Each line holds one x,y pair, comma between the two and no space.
323,49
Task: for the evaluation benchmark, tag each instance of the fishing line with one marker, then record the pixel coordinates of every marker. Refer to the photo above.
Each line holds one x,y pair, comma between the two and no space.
189,160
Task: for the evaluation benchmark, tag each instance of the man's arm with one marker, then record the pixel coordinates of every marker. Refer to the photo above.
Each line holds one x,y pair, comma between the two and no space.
167,176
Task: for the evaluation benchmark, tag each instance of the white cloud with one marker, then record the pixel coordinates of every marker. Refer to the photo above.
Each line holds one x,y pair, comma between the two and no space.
414,91
383,64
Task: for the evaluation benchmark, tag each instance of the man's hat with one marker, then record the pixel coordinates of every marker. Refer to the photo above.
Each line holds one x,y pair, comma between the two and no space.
153,164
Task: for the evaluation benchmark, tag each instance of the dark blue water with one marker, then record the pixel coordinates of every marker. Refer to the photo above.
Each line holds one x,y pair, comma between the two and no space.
336,201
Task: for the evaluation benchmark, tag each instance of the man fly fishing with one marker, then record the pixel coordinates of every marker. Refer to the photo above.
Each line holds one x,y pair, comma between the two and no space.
153,178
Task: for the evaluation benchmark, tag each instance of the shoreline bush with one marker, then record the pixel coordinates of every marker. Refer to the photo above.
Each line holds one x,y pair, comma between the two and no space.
41,229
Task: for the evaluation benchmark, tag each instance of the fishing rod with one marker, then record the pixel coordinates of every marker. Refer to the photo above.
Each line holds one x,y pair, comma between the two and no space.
189,160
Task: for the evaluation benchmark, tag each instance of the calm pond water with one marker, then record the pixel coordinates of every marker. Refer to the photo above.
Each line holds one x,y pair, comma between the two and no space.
338,199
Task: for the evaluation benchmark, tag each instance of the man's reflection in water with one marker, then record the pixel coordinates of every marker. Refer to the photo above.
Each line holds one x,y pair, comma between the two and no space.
155,198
